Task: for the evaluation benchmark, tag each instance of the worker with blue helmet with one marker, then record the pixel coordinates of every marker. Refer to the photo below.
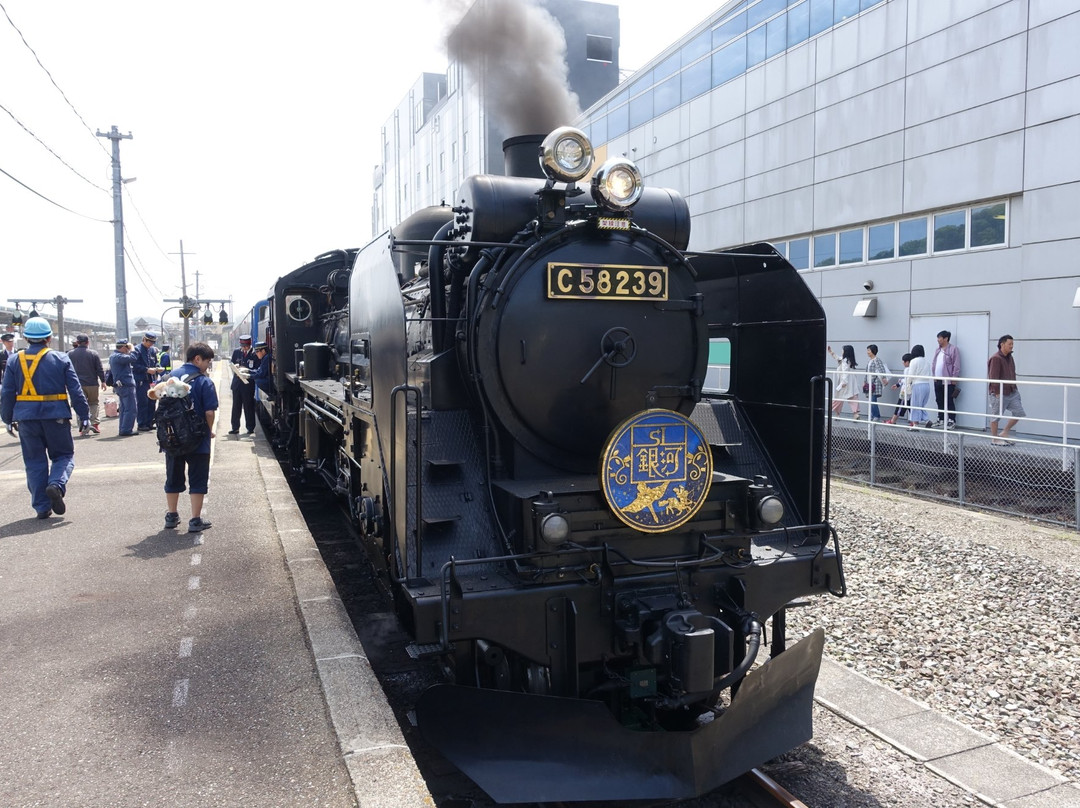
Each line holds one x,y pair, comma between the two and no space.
38,382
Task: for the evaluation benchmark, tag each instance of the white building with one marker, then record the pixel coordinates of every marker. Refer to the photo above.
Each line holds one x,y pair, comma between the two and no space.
917,159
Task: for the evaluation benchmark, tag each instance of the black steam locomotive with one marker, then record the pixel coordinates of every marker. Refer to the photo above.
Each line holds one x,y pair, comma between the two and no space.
589,466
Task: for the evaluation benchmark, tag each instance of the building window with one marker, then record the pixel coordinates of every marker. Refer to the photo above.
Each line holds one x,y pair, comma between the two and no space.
799,253
988,225
641,109
882,241
618,121
825,250
821,16
599,48
763,10
845,9
755,47
442,161
453,152
851,246
913,237
776,36
798,24
599,130
667,67
729,62
950,231
696,48
696,79
727,31
666,96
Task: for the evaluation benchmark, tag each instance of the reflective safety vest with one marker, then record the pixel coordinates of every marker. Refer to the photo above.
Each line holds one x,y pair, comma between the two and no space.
29,365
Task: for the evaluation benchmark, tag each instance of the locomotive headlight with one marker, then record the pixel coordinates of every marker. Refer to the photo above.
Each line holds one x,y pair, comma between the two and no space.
566,154
617,184
554,528
770,510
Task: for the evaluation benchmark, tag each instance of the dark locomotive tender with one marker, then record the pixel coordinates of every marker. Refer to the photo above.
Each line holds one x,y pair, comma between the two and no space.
511,395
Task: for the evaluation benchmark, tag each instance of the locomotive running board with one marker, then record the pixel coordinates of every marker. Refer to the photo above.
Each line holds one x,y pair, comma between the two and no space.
524,748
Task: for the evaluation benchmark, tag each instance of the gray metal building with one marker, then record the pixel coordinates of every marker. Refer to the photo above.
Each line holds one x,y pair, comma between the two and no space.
916,159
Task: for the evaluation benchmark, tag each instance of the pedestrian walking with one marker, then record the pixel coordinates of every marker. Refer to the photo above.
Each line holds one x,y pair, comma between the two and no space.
34,395
146,371
121,367
91,375
191,470
946,369
903,398
243,390
917,377
1003,395
846,388
877,380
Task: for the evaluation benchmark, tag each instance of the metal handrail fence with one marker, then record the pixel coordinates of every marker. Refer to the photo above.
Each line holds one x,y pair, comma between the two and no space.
1035,475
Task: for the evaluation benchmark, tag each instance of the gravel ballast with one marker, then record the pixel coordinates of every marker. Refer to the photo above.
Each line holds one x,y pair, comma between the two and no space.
975,615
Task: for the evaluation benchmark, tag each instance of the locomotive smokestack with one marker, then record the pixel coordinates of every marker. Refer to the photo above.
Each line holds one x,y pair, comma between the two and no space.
521,156
518,51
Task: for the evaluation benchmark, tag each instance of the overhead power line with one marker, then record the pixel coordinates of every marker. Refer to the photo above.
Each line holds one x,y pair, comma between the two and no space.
53,153
54,84
51,201
146,227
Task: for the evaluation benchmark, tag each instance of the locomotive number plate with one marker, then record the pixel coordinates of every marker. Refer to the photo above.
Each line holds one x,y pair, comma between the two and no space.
606,282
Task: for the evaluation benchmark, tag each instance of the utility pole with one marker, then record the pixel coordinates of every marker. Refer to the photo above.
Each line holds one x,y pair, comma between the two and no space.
118,232
186,303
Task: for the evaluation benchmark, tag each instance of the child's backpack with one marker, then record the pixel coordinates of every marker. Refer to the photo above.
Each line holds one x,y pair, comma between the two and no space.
180,429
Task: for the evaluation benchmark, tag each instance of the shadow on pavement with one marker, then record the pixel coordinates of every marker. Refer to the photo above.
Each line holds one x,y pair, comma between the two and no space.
160,545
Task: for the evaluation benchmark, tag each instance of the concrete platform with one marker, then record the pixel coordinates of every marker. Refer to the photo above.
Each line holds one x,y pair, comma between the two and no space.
995,774
151,666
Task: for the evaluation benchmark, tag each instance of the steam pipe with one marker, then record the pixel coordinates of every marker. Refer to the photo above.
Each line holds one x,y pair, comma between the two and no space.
435,284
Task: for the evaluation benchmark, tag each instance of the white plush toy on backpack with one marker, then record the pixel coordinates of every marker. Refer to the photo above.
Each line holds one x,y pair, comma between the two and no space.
172,387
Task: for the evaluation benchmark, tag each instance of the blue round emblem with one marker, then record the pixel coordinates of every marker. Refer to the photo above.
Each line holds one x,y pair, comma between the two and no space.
656,470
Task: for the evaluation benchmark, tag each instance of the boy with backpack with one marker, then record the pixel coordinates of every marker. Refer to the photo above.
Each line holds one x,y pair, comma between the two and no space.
185,428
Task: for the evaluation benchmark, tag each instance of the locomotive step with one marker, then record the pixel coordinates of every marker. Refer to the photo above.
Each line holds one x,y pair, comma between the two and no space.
423,650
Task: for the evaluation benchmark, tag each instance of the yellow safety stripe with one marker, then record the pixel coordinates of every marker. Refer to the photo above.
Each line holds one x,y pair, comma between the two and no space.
29,365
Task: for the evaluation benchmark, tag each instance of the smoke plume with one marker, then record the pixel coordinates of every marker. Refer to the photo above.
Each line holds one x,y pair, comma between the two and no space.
517,51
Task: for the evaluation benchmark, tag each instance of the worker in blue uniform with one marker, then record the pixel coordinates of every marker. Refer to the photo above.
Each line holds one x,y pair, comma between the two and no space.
121,366
146,371
34,394
243,392
262,377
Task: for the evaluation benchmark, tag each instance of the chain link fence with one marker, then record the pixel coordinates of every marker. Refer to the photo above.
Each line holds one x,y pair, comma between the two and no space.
1029,478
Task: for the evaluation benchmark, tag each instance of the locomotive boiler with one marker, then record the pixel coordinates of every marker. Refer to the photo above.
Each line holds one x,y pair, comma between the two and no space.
589,466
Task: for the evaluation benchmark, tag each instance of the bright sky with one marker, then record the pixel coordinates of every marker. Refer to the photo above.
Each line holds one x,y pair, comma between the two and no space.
255,131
